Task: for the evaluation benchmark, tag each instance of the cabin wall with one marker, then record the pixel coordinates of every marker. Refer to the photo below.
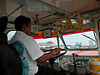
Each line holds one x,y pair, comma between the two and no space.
97,33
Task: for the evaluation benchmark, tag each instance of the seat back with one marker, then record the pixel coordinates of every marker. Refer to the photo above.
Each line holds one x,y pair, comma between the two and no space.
10,62
19,47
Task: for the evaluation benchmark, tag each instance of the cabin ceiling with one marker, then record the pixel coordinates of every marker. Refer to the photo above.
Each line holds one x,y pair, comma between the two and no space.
67,6
47,10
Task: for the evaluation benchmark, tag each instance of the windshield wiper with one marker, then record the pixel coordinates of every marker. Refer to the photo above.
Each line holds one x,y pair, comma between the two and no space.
88,37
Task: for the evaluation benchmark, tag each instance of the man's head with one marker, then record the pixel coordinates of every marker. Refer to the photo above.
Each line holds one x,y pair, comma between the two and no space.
23,23
3,23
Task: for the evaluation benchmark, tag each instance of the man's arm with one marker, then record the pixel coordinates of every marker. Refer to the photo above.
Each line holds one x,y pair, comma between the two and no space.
43,50
47,56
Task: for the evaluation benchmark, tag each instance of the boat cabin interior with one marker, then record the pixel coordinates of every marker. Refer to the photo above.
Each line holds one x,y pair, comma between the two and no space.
72,25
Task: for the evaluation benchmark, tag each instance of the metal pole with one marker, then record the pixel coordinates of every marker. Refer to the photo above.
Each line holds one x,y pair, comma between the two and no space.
58,41
63,41
15,10
97,33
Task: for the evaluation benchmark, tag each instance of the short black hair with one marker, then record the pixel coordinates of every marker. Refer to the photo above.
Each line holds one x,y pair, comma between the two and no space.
3,23
20,20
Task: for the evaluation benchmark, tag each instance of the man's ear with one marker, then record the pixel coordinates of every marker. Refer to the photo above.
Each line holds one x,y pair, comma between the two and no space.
23,27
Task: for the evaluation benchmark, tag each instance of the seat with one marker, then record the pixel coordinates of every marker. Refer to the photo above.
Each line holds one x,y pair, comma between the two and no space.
10,62
19,47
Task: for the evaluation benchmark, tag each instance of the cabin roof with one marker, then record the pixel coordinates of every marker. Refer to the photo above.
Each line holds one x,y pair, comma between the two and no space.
43,13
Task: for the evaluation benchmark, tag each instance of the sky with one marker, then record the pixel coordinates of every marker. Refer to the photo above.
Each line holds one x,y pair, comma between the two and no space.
69,39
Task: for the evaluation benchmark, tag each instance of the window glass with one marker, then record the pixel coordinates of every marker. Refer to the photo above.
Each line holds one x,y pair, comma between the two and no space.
80,40
48,43
81,43
10,35
77,43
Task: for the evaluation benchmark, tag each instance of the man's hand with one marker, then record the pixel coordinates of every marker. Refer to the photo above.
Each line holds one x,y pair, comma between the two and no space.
47,56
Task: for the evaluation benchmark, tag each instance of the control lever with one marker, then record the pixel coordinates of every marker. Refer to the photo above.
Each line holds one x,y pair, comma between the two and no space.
74,62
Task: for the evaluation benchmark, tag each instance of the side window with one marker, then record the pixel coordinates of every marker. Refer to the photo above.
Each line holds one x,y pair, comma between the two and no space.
10,35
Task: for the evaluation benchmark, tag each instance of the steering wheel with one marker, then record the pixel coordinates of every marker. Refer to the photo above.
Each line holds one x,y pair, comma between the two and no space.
51,60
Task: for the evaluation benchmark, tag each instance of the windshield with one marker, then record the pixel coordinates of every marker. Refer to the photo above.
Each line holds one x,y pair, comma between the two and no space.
80,43
76,43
